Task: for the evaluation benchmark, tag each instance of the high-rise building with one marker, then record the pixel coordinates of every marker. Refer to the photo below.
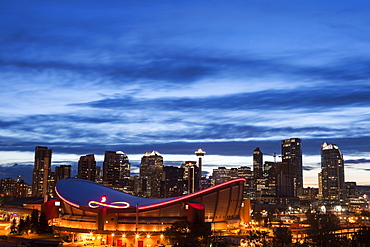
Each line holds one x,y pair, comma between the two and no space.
350,189
62,171
87,168
204,183
151,171
221,175
13,187
291,151
116,168
245,172
173,184
42,172
7,186
191,176
319,194
266,187
258,173
21,189
249,191
257,164
332,173
285,179
277,184
99,175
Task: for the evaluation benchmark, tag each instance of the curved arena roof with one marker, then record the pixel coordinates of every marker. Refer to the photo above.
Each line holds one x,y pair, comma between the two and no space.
84,193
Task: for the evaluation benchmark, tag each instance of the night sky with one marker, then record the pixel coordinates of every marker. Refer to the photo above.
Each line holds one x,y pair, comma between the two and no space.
83,77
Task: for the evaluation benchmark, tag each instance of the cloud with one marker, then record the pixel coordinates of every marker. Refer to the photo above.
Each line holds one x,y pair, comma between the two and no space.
307,99
357,161
308,168
166,76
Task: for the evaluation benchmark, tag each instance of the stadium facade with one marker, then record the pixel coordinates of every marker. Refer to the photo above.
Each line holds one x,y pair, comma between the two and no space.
97,214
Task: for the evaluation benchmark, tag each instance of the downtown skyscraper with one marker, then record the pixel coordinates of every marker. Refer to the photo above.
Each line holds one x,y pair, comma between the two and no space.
257,164
332,173
191,176
151,172
62,171
291,152
116,168
87,167
41,175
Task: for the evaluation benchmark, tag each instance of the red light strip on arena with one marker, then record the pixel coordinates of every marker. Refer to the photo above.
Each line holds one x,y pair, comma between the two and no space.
191,195
68,202
95,204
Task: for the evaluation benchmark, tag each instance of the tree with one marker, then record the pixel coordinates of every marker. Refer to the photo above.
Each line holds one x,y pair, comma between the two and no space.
28,222
321,232
257,238
34,221
22,227
187,234
43,225
282,237
13,227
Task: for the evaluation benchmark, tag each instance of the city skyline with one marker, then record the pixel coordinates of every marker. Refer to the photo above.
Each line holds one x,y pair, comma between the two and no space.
228,77
310,177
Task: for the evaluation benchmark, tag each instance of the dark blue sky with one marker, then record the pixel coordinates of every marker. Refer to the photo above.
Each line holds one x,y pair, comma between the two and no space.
87,76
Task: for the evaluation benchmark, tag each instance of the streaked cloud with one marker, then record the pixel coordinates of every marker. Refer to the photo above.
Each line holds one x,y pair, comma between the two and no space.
169,76
358,161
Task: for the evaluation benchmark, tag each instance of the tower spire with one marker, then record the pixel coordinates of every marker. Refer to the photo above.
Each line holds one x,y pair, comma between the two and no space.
200,153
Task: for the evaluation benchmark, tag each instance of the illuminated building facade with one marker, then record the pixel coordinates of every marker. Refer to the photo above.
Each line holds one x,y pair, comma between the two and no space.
319,176
62,171
116,168
7,186
173,182
191,176
285,182
350,188
257,164
87,168
258,174
107,216
151,172
332,173
221,175
285,179
246,172
266,187
278,184
205,183
291,151
21,189
41,175
13,187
